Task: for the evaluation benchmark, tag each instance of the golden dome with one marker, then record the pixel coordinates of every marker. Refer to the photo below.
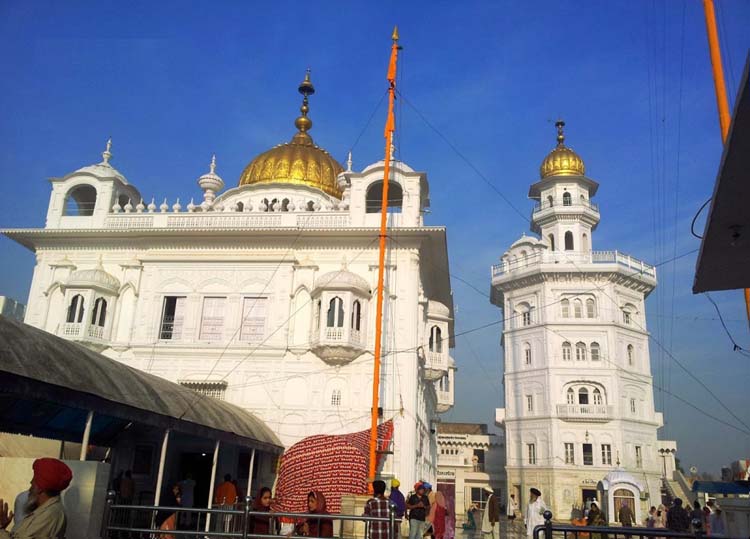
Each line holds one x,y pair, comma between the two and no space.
561,161
299,161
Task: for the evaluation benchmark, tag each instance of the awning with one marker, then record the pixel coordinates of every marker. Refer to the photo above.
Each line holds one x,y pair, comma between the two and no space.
722,487
332,464
724,259
48,385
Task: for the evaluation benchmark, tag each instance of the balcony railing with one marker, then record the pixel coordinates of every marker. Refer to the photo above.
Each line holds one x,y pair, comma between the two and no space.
444,400
546,205
436,365
574,257
585,412
337,345
82,331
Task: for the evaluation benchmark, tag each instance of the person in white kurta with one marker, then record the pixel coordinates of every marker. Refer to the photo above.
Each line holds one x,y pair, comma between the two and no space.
491,516
534,511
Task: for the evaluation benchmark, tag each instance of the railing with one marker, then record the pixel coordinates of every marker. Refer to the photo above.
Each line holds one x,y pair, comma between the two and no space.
171,329
334,334
437,360
227,219
96,332
585,412
550,530
545,205
71,329
146,522
574,257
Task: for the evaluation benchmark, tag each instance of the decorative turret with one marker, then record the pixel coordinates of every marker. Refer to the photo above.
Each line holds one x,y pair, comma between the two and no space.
211,182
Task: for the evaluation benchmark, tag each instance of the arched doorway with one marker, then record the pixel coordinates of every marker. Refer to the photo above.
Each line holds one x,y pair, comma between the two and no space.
622,497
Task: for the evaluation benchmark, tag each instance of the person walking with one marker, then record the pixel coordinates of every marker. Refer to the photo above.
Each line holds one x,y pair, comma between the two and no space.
397,499
717,523
438,514
625,515
697,514
534,511
45,512
378,506
491,516
678,519
512,510
650,521
418,506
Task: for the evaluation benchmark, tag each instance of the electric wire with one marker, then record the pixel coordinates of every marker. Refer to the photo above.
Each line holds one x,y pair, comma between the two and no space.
736,346
695,218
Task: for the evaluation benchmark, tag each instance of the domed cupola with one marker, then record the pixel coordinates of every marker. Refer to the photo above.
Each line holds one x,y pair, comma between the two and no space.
95,278
299,161
561,161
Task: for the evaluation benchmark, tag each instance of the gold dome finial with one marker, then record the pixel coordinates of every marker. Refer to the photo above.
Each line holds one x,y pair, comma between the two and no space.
303,123
560,134
561,161
299,161
394,36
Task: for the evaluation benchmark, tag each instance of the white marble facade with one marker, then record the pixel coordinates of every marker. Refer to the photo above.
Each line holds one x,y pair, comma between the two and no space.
262,294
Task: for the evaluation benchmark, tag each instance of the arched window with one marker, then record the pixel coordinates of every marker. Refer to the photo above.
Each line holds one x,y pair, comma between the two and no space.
583,396
571,397
335,313
550,201
568,241
99,315
580,351
374,197
310,206
266,204
590,308
122,199
356,315
551,239
566,349
595,351
240,206
585,242
597,396
631,355
565,307
285,205
567,200
80,201
623,497
436,339
577,308
527,353
272,205
524,311
75,310
628,312
336,397
583,199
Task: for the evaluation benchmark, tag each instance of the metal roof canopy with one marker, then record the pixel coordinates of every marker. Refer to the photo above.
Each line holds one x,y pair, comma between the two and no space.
48,385
724,259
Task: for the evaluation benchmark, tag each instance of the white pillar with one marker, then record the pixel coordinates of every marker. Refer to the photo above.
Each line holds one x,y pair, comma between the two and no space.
250,472
211,485
86,435
162,460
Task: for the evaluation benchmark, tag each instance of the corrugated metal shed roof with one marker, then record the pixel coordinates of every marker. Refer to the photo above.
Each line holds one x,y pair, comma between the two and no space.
48,384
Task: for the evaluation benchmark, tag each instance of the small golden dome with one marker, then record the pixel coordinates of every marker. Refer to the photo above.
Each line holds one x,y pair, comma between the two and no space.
561,161
299,161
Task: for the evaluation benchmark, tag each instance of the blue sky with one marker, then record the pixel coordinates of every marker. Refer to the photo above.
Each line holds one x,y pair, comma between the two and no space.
172,82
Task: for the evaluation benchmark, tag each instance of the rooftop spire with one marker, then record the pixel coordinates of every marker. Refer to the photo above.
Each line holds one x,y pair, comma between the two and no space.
212,166
303,123
107,154
560,134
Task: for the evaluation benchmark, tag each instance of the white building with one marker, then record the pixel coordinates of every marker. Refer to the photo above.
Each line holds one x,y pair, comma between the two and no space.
469,459
12,308
579,410
262,294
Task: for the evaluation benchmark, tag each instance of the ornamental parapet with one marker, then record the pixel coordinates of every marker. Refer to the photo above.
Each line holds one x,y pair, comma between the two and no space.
518,265
128,221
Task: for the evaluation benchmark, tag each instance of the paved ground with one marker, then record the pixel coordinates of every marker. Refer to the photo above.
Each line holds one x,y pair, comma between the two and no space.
507,530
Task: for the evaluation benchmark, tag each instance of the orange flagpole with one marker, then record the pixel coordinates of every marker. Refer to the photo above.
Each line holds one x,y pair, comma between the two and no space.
725,119
390,127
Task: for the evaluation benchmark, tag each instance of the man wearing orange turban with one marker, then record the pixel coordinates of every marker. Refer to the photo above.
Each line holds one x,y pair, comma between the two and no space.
45,515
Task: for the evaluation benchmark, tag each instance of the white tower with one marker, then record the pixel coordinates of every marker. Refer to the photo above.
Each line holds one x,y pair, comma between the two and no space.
579,412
